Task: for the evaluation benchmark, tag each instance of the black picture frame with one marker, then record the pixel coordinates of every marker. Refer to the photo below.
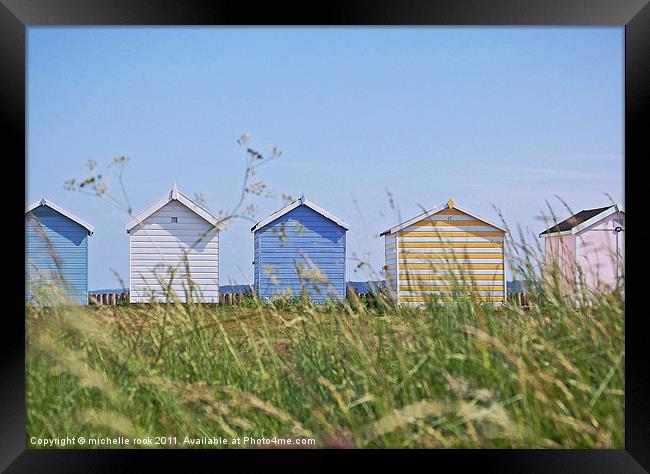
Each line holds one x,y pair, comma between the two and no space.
17,15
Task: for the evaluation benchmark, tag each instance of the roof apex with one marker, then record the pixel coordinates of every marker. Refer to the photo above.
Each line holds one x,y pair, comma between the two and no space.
174,195
451,204
291,206
44,202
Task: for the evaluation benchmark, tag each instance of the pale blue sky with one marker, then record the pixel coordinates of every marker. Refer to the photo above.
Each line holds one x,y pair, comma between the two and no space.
503,116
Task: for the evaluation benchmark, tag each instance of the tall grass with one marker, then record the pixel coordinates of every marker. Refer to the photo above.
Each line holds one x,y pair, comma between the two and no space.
453,374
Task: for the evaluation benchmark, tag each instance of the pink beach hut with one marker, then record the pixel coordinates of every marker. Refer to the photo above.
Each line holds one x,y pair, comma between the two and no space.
589,247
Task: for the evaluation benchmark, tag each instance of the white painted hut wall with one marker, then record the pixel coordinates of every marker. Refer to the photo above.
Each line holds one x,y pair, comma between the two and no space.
391,263
159,242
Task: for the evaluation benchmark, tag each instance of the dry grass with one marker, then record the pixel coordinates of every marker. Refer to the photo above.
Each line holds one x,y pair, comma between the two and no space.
453,375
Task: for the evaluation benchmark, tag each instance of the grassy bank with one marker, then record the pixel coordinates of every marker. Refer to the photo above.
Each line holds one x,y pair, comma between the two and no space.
453,375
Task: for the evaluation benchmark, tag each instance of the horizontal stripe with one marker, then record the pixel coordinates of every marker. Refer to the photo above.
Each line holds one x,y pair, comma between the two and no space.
437,230
448,212
470,266
436,262
421,299
450,287
150,274
448,228
145,297
441,285
448,217
452,246
170,251
475,233
174,244
180,242
140,288
451,294
444,255
192,257
159,291
195,266
162,236
454,255
184,219
448,241
451,290
175,209
316,249
168,225
184,235
447,277
176,285
448,271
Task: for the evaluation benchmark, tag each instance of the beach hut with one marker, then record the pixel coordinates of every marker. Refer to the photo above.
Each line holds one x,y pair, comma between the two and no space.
588,247
300,248
443,250
56,252
174,245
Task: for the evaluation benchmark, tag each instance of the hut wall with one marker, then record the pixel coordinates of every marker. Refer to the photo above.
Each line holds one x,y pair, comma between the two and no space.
390,257
301,249
158,248
450,245
596,253
56,252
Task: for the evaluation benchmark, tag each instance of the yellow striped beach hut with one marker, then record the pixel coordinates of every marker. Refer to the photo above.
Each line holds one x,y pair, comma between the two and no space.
445,250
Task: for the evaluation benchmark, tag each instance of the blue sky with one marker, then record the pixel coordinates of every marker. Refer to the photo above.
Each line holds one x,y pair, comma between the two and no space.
507,117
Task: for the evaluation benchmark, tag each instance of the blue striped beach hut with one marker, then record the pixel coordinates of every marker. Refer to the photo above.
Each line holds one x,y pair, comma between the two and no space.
56,251
300,248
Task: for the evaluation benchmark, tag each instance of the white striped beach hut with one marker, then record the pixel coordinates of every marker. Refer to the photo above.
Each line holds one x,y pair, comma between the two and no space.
174,245
443,249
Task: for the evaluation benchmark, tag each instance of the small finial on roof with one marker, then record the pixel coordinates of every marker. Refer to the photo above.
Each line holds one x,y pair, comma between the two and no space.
175,191
302,199
43,202
451,203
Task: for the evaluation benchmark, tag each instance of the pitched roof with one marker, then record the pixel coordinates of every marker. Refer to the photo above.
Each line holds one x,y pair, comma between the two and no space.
173,195
448,205
60,210
290,207
582,219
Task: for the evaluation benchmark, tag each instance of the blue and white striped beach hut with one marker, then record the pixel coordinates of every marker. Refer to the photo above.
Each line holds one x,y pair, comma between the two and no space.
56,251
299,248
